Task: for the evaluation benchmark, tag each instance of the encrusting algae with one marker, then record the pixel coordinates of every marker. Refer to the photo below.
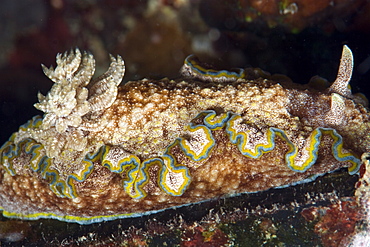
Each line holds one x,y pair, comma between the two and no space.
102,152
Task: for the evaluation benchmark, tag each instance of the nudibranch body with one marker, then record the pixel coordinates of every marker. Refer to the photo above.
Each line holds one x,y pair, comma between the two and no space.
103,152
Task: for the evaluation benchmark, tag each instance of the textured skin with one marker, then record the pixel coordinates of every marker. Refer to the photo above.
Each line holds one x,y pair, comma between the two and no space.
84,161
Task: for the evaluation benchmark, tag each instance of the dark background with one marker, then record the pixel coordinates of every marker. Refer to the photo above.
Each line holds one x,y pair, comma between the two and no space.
299,39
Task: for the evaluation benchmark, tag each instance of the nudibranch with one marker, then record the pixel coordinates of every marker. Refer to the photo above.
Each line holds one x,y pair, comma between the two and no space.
103,151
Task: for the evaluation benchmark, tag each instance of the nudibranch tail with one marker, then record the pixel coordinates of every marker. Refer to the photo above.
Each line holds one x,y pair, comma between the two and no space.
74,94
67,65
103,91
103,152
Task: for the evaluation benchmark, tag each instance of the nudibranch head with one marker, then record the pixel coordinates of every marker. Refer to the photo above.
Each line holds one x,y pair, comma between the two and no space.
341,83
102,152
